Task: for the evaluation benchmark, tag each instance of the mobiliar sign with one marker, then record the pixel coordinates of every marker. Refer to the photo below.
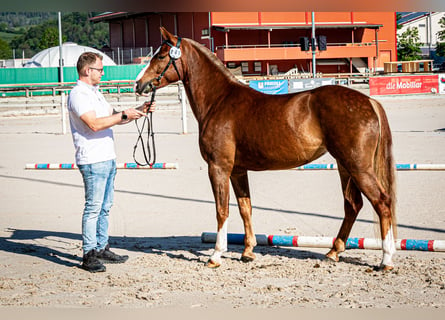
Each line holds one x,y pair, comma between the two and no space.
403,84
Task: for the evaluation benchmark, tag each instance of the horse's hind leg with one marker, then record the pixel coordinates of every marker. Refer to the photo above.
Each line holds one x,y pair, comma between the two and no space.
381,201
240,186
219,179
353,202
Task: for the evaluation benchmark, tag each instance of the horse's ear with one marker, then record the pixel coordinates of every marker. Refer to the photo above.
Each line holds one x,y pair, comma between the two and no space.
168,36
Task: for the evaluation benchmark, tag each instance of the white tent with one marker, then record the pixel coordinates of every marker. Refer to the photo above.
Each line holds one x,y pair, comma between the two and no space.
70,51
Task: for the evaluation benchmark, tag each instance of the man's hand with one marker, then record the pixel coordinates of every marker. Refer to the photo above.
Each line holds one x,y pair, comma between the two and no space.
147,107
133,114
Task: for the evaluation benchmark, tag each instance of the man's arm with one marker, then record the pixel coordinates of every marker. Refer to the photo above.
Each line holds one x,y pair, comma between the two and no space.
97,124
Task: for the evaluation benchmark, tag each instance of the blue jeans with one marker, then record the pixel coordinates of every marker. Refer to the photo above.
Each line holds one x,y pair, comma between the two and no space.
98,179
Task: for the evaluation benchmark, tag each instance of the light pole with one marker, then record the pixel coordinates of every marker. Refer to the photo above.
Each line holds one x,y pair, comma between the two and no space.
62,94
314,70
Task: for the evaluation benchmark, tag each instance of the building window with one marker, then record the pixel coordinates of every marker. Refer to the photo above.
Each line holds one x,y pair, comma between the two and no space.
244,67
257,66
205,33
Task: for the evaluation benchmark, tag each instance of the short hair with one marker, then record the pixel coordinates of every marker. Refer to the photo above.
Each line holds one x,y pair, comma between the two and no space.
87,59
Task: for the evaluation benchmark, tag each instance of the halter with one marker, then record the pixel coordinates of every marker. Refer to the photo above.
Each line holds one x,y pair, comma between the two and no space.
174,54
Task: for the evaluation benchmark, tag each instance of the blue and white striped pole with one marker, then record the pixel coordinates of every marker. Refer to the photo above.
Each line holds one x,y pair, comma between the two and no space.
124,165
327,242
399,166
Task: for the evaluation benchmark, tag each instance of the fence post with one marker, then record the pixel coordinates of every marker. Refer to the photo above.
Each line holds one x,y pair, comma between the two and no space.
183,97
62,102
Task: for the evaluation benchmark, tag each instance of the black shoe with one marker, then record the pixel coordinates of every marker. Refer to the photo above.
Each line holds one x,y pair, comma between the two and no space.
107,256
91,263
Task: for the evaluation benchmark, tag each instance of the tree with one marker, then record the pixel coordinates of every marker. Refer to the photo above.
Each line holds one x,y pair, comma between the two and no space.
408,45
76,27
398,17
440,46
50,38
5,50
441,33
3,27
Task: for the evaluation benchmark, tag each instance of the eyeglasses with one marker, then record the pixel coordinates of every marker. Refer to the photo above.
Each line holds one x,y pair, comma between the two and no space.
100,70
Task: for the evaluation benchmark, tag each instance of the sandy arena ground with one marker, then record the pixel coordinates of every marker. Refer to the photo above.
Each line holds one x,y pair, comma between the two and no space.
159,215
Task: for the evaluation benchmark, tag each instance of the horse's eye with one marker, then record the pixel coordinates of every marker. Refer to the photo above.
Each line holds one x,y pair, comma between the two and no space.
161,58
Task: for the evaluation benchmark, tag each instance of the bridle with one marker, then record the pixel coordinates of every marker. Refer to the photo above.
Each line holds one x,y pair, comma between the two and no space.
174,54
150,159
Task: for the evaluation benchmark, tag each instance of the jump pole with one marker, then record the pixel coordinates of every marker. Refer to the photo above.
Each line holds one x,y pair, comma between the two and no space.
399,166
124,165
327,242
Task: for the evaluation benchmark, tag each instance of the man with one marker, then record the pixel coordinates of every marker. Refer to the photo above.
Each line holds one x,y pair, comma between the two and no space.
91,119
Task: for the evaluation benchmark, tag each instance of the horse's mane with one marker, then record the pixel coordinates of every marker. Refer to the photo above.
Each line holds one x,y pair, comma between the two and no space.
213,58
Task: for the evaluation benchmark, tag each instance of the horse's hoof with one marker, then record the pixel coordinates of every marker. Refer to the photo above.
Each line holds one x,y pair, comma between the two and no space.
332,256
247,258
386,268
212,265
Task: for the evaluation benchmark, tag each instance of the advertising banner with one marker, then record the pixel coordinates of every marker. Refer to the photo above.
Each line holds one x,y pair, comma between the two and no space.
297,85
403,85
270,86
442,83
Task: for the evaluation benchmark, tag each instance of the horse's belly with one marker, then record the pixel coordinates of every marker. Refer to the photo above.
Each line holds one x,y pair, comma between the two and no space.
278,157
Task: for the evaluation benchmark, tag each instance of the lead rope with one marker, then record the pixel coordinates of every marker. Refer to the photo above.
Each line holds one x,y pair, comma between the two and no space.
149,157
150,160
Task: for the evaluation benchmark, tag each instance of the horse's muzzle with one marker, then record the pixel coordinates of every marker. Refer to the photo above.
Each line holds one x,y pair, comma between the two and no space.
143,88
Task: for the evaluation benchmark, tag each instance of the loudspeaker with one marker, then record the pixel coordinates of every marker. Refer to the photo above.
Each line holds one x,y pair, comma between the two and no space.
322,44
304,43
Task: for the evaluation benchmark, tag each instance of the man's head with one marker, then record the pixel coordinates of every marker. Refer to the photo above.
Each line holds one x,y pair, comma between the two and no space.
90,67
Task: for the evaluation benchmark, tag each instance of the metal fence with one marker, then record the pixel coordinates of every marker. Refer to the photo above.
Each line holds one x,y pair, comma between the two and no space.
130,56
118,55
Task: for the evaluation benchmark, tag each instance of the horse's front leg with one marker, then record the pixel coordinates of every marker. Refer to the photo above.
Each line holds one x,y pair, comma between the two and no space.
240,185
219,178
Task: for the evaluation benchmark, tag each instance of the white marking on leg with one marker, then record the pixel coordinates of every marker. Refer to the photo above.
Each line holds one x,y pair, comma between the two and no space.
389,248
221,244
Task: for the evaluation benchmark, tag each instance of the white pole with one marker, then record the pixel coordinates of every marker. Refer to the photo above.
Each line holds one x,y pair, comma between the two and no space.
62,95
62,101
184,110
312,46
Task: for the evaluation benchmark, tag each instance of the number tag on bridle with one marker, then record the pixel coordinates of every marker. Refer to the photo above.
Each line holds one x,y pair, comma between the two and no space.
175,53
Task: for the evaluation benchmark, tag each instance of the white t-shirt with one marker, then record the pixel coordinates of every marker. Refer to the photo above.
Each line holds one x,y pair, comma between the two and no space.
91,147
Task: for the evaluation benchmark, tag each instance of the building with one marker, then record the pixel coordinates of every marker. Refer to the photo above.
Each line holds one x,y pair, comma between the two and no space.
265,43
427,23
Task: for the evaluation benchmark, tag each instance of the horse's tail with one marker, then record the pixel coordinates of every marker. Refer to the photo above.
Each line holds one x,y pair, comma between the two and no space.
384,165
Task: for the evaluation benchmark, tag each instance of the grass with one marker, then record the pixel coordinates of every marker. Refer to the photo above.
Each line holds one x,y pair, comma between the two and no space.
7,36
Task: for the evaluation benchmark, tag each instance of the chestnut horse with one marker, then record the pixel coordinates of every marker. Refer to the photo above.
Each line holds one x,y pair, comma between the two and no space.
241,129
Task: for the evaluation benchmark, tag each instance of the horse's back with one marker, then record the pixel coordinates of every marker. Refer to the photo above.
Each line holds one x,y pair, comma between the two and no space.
343,108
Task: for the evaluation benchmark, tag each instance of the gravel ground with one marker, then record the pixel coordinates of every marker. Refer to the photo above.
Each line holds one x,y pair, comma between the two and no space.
159,215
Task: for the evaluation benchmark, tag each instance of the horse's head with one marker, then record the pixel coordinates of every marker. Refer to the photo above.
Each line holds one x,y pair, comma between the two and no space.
163,67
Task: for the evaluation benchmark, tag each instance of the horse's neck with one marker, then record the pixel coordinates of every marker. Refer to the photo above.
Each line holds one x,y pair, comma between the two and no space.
206,84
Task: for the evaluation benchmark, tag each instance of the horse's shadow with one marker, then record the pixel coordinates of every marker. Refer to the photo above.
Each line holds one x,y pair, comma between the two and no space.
64,248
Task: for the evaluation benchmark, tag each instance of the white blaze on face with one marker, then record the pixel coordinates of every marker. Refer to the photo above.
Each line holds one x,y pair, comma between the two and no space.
140,74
